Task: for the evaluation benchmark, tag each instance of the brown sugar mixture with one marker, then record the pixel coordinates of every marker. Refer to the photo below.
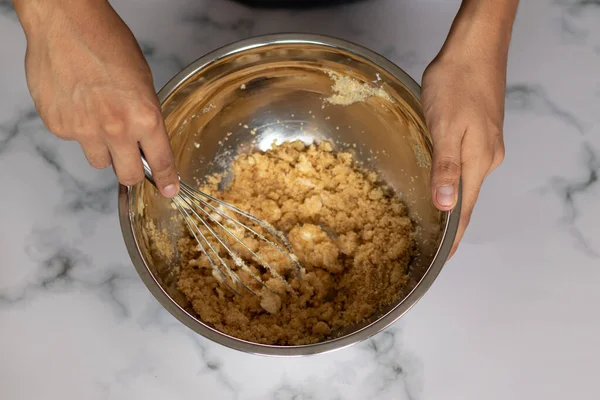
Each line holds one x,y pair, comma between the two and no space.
350,233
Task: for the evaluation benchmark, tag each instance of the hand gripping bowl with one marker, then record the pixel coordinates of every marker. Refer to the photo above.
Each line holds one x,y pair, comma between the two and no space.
278,83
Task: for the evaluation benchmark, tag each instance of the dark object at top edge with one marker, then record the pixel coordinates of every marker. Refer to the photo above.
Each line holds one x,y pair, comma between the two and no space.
294,4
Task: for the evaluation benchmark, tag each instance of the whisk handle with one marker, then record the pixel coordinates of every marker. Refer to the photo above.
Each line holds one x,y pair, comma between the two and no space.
147,170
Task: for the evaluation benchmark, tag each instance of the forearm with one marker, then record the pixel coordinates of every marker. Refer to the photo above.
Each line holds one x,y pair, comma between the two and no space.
482,27
35,15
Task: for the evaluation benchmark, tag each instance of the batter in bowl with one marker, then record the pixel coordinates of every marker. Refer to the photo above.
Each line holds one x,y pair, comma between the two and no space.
349,231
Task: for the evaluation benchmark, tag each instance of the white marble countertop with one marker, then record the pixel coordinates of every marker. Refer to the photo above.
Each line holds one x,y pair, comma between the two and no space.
514,315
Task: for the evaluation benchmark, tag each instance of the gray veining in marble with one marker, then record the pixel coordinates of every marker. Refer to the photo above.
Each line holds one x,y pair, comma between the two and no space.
514,315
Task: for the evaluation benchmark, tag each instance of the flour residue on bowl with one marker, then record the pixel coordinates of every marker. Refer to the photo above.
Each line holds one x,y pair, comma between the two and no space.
422,158
347,90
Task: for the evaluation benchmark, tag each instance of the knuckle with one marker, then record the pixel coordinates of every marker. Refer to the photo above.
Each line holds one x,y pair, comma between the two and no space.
499,155
99,164
433,122
131,178
496,130
164,166
57,128
86,134
431,70
98,161
439,126
113,126
148,118
447,167
447,128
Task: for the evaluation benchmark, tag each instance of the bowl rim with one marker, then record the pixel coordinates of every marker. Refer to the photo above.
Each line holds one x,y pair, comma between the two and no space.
131,242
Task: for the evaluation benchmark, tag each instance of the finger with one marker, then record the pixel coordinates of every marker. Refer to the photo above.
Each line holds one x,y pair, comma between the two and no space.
473,175
157,149
127,162
498,157
96,153
446,169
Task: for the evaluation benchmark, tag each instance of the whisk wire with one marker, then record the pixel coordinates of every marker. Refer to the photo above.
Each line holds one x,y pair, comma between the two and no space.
288,251
274,272
189,200
195,230
234,277
236,259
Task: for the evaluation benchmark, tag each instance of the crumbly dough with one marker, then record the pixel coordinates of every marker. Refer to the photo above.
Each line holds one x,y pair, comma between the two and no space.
347,90
350,233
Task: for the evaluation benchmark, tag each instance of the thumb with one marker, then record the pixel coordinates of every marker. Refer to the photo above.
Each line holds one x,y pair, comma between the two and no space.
157,149
446,169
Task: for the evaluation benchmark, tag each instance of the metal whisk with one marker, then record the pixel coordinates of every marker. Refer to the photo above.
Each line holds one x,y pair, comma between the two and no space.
195,205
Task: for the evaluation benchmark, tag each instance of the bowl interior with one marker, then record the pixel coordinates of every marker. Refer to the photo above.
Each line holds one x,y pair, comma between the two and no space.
253,97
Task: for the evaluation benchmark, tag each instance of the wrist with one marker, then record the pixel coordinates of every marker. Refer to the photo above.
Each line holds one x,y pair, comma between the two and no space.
30,13
482,30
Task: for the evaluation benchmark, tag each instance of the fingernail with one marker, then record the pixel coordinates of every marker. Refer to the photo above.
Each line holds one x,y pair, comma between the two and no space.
170,190
445,195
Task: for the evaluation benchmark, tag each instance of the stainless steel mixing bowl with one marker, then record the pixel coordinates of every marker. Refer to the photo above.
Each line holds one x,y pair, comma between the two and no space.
277,84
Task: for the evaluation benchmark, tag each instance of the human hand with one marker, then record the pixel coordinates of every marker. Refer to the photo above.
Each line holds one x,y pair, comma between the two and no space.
90,83
463,102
